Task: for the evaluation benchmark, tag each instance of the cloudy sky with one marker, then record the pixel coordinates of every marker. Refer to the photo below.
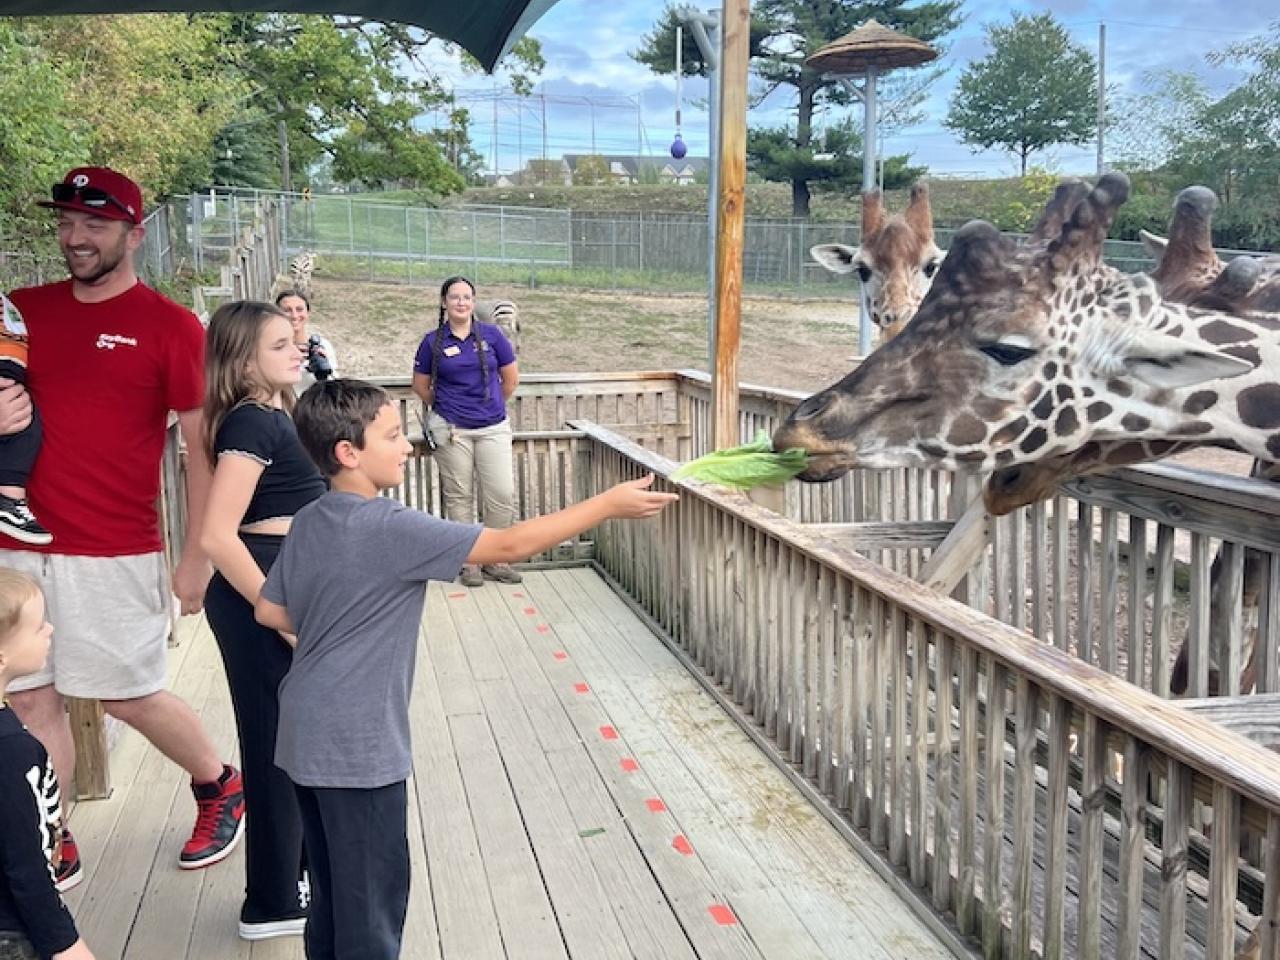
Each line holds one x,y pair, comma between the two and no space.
595,98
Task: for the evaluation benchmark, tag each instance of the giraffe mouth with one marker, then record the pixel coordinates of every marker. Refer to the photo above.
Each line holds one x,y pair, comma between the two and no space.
825,467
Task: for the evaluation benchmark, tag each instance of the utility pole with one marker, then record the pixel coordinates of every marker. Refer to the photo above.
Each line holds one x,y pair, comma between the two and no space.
1102,94
495,133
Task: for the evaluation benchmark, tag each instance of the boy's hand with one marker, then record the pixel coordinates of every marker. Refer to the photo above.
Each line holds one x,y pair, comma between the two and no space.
633,499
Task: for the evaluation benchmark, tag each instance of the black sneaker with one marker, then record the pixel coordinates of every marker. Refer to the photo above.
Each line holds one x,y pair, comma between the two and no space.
17,521
219,821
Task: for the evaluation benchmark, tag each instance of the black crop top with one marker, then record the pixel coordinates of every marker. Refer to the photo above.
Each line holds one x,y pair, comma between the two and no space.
290,480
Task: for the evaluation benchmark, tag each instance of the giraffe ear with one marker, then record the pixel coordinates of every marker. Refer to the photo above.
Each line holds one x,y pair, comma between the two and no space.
836,257
1166,362
1154,245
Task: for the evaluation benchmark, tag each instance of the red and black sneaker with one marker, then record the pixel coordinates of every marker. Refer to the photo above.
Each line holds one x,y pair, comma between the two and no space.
68,872
219,821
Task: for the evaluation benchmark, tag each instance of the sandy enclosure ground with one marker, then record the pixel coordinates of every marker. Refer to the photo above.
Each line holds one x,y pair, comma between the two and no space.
792,343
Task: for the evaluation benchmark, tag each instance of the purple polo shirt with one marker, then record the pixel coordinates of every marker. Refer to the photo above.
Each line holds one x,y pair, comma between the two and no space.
459,388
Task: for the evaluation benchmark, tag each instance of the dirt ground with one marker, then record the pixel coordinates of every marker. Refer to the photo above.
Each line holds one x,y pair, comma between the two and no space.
796,344
799,344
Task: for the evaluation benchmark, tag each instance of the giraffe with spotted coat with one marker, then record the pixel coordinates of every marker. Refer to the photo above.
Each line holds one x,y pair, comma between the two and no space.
895,261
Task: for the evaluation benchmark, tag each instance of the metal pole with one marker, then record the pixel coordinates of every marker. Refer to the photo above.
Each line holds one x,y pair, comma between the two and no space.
1102,94
868,184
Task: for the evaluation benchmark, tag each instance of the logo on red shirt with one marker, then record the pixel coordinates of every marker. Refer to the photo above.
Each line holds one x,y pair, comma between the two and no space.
109,341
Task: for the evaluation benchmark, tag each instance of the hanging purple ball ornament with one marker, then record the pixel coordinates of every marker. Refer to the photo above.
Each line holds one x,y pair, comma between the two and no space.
678,148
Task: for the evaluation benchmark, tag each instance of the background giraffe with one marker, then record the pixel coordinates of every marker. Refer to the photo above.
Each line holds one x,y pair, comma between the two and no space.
895,262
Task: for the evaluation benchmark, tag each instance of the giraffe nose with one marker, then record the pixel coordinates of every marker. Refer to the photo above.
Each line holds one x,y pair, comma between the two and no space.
811,407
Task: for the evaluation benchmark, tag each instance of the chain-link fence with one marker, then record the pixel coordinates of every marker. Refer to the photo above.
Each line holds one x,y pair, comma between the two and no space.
357,237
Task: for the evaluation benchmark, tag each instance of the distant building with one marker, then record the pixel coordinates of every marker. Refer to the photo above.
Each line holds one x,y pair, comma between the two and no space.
623,169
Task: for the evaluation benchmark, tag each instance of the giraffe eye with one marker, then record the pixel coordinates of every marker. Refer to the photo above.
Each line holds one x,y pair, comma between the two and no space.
1007,354
864,272
931,268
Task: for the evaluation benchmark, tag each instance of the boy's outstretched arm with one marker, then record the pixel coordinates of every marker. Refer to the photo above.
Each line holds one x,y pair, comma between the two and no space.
627,501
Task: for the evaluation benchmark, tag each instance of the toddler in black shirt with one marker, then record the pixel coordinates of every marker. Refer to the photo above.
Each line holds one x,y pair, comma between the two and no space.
34,922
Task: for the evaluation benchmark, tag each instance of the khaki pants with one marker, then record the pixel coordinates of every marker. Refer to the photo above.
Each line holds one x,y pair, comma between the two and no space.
471,458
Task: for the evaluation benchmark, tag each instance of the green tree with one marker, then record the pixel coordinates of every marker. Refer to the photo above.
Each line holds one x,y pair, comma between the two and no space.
783,34
41,134
591,171
1035,89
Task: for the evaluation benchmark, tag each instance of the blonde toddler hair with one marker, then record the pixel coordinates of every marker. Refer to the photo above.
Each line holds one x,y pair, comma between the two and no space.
16,588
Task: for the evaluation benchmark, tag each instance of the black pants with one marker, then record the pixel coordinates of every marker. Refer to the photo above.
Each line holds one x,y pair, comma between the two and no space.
358,852
256,659
18,450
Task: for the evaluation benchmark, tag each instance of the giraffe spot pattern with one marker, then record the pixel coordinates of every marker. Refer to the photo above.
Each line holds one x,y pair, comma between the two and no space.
1134,423
1067,422
1273,445
1010,431
1220,331
1199,402
1050,370
966,431
1194,429
1034,440
1044,406
1119,388
1065,392
1260,406
1096,411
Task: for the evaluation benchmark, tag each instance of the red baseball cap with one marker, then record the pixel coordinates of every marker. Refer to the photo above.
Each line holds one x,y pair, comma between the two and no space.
100,191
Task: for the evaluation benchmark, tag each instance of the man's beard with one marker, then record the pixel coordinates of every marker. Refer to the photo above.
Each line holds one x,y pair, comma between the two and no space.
108,260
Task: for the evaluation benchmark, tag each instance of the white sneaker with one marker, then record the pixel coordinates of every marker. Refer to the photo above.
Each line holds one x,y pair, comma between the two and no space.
269,929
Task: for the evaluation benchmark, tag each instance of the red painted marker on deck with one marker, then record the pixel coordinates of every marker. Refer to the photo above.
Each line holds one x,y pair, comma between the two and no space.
560,655
544,628
682,845
608,732
531,611
580,688
655,805
629,765
456,596
722,915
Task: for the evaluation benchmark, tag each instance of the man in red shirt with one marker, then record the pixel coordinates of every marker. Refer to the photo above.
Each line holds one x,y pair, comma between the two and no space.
109,358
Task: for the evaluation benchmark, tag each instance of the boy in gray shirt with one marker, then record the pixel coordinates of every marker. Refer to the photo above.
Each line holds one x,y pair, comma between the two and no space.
349,582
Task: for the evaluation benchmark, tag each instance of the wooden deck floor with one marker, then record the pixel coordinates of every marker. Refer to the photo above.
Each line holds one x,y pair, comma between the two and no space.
576,794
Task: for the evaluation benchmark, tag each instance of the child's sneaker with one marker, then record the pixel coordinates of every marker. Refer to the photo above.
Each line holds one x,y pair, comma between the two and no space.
69,872
17,521
219,821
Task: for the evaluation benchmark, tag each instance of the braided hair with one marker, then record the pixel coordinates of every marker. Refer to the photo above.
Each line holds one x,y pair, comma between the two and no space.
441,328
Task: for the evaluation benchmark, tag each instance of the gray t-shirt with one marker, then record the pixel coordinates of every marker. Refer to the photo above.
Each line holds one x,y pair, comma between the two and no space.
351,574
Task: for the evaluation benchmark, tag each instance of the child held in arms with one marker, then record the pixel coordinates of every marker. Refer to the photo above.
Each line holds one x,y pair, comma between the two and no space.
349,583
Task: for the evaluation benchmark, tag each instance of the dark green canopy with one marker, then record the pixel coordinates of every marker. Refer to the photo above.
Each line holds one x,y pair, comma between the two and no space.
486,28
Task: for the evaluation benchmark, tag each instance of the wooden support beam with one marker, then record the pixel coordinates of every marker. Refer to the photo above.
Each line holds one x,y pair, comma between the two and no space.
89,731
958,553
886,535
735,30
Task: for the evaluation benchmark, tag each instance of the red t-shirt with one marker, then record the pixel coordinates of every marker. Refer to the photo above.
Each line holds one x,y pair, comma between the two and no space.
104,377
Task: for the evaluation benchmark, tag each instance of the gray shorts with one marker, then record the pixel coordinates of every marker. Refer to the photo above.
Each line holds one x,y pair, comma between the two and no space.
14,946
111,620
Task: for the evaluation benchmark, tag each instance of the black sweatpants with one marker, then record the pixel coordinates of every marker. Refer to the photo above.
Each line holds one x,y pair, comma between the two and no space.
18,450
358,854
256,659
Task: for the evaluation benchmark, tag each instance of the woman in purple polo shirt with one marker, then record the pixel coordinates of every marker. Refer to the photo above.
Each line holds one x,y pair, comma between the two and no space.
464,373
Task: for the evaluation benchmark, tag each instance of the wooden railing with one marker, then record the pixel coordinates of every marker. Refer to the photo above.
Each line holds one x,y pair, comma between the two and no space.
975,761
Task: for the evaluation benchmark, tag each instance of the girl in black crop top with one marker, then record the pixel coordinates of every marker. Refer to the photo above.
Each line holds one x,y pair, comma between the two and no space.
261,478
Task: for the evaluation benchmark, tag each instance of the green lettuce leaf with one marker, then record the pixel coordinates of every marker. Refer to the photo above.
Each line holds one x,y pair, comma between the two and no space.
753,464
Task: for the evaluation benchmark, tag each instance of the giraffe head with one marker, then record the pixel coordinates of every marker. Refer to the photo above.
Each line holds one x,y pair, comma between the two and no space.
1017,354
896,260
1188,270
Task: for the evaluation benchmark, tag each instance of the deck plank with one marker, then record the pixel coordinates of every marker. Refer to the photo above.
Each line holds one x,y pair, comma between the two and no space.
528,836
